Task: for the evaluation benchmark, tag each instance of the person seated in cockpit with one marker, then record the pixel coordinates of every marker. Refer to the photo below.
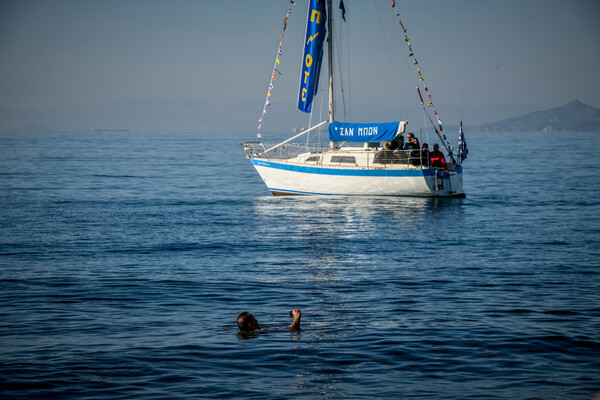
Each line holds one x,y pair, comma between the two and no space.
437,158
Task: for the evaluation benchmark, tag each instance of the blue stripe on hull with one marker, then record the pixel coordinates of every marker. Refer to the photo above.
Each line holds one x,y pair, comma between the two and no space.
344,171
284,192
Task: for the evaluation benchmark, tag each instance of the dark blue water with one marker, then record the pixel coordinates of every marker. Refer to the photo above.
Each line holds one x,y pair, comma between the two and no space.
125,259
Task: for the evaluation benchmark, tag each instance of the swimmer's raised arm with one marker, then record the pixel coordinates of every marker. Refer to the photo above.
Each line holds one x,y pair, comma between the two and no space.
297,315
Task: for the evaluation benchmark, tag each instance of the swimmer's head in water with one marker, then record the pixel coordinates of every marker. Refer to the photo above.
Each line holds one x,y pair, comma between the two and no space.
247,323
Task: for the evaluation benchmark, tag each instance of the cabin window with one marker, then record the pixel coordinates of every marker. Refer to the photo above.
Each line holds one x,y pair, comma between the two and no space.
343,159
313,159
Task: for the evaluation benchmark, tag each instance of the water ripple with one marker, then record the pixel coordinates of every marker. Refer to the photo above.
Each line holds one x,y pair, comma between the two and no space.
122,274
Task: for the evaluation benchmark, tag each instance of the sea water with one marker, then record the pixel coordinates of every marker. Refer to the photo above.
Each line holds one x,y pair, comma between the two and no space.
125,259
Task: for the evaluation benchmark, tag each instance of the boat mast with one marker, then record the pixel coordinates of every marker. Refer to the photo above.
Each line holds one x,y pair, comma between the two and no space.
330,62
330,59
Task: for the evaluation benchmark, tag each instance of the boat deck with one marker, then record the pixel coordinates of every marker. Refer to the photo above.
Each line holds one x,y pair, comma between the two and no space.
372,158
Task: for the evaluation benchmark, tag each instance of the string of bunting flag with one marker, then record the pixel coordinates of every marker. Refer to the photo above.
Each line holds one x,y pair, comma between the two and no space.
275,70
411,55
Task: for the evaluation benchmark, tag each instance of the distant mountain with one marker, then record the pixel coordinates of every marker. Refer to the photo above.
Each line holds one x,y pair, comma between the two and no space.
194,115
571,117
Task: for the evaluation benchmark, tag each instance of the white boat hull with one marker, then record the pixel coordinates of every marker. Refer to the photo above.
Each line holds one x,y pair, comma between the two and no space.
291,179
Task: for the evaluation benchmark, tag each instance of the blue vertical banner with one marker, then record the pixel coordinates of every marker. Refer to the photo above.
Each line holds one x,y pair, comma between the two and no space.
313,53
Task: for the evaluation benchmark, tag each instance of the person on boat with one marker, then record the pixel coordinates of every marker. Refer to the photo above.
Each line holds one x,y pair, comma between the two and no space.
437,158
425,154
391,145
414,144
415,149
400,155
409,138
248,324
390,151
400,140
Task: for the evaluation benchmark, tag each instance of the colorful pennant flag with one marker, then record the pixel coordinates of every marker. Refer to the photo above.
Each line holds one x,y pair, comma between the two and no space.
421,78
275,69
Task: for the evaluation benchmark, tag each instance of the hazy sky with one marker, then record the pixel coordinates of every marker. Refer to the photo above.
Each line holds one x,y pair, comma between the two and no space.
90,52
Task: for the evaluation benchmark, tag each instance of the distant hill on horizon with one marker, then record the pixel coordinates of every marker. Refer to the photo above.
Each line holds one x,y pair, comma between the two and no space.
194,115
574,116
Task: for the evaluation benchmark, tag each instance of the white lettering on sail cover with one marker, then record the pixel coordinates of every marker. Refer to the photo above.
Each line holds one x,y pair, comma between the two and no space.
367,131
363,131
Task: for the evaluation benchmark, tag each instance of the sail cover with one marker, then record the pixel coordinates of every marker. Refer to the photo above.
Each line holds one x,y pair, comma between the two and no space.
376,132
313,53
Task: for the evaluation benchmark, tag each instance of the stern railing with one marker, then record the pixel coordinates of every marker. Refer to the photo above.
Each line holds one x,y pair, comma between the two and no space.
371,158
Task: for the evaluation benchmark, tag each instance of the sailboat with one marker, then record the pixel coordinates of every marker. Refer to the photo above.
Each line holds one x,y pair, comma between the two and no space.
364,159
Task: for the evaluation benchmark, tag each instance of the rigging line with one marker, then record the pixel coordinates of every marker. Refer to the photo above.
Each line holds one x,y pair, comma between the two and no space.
426,114
400,38
444,143
406,58
426,130
390,58
320,118
416,82
341,53
338,43
312,109
321,115
442,138
347,24
295,121
413,76
424,117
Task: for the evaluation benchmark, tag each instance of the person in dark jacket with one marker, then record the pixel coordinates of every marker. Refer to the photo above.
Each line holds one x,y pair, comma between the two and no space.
425,155
415,149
